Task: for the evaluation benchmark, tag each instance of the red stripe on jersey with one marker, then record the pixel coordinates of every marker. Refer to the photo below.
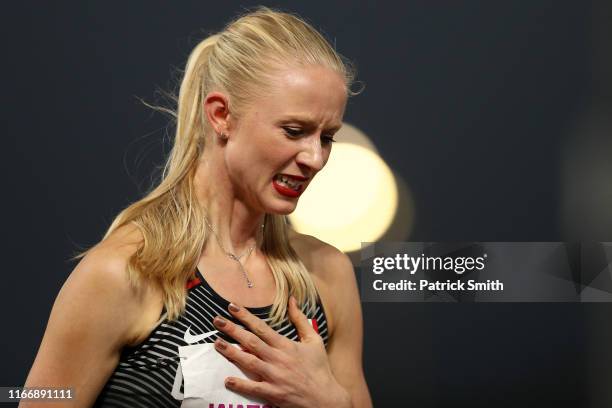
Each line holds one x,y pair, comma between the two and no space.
193,282
315,325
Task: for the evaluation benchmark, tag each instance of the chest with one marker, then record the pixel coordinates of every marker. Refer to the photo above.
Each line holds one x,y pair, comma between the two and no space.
158,361
230,280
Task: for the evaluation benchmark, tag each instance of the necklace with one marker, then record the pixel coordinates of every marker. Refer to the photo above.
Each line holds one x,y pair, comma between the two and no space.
232,255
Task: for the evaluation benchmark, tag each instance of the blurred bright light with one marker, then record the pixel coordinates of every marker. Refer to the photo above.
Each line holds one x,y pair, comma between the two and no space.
353,200
351,134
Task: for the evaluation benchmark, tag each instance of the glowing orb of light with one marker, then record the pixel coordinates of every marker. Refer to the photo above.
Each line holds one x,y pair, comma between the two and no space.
352,200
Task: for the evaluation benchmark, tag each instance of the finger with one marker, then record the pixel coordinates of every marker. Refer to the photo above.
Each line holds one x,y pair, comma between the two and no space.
249,341
300,321
246,361
258,389
257,326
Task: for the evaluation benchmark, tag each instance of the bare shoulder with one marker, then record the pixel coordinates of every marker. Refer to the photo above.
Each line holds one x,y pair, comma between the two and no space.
124,240
101,276
96,313
332,273
334,276
322,259
105,264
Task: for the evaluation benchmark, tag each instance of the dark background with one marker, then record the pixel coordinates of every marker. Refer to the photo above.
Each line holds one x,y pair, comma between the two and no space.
479,106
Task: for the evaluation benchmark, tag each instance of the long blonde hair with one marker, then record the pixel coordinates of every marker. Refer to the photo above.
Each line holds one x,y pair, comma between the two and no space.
239,60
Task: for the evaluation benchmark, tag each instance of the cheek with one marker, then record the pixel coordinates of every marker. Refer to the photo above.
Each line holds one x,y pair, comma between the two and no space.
247,165
326,154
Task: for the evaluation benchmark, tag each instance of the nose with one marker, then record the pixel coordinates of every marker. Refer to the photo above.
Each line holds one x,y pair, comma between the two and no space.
312,154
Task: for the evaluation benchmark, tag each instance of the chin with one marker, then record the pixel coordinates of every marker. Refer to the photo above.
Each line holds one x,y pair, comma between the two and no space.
285,208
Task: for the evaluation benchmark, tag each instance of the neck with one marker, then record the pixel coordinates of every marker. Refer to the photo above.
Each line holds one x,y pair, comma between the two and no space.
237,226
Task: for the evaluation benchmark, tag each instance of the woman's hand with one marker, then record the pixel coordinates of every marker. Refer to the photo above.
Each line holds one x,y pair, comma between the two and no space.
293,374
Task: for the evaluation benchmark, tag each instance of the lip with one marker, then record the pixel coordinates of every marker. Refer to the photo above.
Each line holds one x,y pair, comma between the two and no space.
293,176
285,191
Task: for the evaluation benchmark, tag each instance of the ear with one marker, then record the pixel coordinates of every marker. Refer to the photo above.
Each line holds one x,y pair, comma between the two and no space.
216,108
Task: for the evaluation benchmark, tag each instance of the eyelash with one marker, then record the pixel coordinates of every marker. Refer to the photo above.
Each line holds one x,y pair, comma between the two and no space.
294,133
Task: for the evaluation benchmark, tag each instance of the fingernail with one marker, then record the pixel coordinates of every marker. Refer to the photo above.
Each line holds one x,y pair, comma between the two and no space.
229,382
219,321
234,308
221,344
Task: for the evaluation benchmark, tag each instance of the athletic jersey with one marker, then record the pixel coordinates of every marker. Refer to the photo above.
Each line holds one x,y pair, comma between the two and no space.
149,375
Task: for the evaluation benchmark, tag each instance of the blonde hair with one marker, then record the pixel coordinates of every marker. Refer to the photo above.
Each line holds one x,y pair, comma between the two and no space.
239,60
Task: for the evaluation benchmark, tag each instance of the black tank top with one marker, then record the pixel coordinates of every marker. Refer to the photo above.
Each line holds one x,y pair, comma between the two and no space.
148,373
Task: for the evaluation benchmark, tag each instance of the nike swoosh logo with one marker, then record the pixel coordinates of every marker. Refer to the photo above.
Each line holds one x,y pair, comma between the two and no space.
193,338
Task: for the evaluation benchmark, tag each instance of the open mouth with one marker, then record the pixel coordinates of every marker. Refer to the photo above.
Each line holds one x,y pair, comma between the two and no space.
287,185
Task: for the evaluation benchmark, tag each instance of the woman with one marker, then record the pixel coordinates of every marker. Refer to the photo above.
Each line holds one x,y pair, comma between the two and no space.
209,249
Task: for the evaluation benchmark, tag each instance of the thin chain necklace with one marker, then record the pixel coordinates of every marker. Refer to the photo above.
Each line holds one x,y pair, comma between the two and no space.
234,256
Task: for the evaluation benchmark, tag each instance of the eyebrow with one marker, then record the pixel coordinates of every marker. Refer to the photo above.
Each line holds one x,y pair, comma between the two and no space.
308,122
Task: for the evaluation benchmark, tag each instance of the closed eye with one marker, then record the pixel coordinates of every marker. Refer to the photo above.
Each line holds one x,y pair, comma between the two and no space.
328,139
297,132
292,132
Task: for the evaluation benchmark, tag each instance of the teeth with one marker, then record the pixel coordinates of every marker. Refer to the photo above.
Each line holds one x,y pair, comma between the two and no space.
288,182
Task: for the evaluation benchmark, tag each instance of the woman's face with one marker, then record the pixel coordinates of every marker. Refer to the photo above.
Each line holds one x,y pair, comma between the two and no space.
282,140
